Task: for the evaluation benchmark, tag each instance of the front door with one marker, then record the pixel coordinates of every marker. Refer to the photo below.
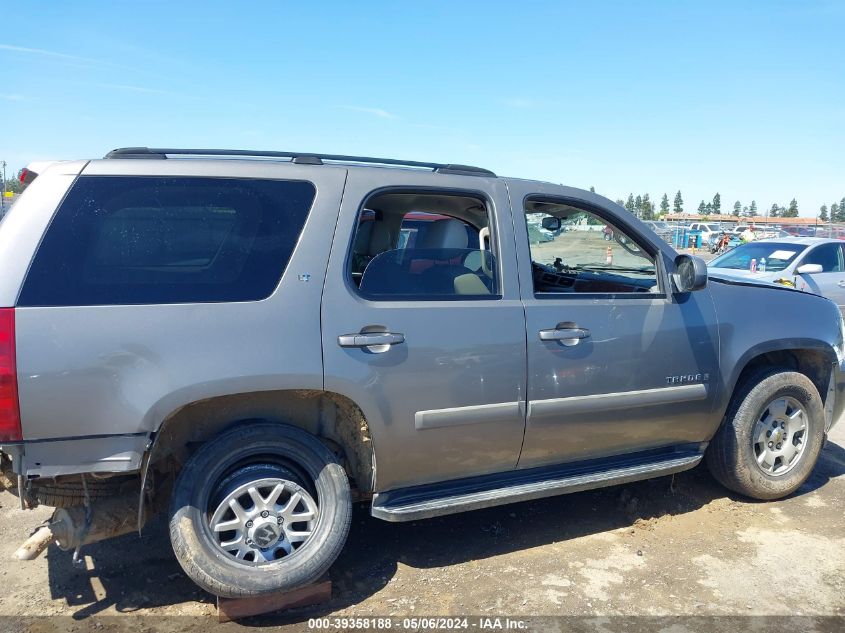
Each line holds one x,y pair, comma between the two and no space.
616,363
422,323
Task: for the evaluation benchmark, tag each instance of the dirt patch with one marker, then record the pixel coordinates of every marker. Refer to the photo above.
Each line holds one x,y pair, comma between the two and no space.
673,546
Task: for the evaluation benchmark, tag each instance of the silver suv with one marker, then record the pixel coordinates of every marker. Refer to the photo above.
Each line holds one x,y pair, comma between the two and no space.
251,340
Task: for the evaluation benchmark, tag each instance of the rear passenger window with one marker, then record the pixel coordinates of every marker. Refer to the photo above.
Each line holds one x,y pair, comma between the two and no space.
423,246
135,240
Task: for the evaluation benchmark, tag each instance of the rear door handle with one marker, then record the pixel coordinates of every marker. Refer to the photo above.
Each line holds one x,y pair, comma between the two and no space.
373,339
566,336
841,284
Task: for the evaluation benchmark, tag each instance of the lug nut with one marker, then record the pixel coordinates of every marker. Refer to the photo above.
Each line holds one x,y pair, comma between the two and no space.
249,524
774,424
771,444
248,541
768,433
264,514
779,445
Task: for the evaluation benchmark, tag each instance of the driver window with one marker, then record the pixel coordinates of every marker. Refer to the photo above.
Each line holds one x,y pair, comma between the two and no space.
575,251
828,256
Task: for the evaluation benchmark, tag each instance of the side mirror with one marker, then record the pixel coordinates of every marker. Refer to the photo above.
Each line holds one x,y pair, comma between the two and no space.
690,273
551,223
809,269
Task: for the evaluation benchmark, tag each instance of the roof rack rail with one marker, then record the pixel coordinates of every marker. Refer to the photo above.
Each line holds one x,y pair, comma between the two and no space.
301,158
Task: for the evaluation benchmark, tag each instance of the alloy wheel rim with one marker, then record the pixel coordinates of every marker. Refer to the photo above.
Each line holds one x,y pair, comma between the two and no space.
779,436
264,520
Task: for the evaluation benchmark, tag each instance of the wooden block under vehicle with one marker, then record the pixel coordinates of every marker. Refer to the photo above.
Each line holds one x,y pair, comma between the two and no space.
229,609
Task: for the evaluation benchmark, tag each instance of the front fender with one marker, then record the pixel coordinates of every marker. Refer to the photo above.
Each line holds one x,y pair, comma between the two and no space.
756,320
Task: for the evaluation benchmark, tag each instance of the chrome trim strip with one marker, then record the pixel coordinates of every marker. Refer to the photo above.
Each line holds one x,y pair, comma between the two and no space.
459,416
619,400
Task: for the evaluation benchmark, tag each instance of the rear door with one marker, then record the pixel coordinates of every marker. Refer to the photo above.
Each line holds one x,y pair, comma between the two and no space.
423,330
616,363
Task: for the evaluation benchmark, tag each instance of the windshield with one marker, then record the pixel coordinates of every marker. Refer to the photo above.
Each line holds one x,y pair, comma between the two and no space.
778,255
660,225
712,227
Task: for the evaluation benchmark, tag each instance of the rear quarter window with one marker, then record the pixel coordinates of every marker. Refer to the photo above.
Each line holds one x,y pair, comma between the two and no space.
139,240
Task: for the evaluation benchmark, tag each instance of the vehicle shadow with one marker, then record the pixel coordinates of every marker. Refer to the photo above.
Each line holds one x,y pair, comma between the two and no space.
831,464
132,573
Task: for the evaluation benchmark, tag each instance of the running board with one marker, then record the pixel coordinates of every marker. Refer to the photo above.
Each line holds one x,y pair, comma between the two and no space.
423,502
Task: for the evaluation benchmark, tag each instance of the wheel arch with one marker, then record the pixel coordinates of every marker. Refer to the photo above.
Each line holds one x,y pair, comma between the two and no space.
814,359
332,417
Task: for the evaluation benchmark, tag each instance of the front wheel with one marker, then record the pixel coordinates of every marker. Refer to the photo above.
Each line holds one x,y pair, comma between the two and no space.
771,437
260,508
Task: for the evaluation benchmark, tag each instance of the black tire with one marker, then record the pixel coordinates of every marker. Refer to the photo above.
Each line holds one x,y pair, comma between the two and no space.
284,447
730,456
69,492
65,494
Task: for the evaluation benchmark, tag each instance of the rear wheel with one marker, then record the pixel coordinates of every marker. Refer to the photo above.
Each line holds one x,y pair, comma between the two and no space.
771,437
259,509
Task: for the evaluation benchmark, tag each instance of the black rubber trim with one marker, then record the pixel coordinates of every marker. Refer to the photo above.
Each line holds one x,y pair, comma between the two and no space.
748,284
73,438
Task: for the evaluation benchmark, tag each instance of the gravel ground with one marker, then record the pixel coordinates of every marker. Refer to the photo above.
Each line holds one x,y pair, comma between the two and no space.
670,546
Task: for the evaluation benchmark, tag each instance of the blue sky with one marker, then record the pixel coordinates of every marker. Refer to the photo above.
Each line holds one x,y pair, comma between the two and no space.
743,98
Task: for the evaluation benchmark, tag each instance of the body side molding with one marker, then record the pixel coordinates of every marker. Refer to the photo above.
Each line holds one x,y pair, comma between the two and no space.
620,400
458,416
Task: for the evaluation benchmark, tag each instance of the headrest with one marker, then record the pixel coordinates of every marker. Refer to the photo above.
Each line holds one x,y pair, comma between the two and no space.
449,233
362,238
379,239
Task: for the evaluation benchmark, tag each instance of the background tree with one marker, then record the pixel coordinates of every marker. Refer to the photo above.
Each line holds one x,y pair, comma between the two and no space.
708,209
752,210
792,211
647,209
12,184
774,211
630,203
679,203
593,189
837,212
664,205
702,210
823,213
638,206
717,203
737,208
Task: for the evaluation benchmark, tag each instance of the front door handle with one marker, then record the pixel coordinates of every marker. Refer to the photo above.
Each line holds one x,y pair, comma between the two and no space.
567,336
841,284
371,340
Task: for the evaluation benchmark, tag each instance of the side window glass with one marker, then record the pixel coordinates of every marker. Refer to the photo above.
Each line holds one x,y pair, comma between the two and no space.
118,240
828,256
423,246
576,251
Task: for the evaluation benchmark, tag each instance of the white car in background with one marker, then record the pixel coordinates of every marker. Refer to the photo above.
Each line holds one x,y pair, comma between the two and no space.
761,231
706,228
812,264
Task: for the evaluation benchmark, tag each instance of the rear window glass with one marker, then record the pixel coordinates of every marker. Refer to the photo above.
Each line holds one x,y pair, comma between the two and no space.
134,240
